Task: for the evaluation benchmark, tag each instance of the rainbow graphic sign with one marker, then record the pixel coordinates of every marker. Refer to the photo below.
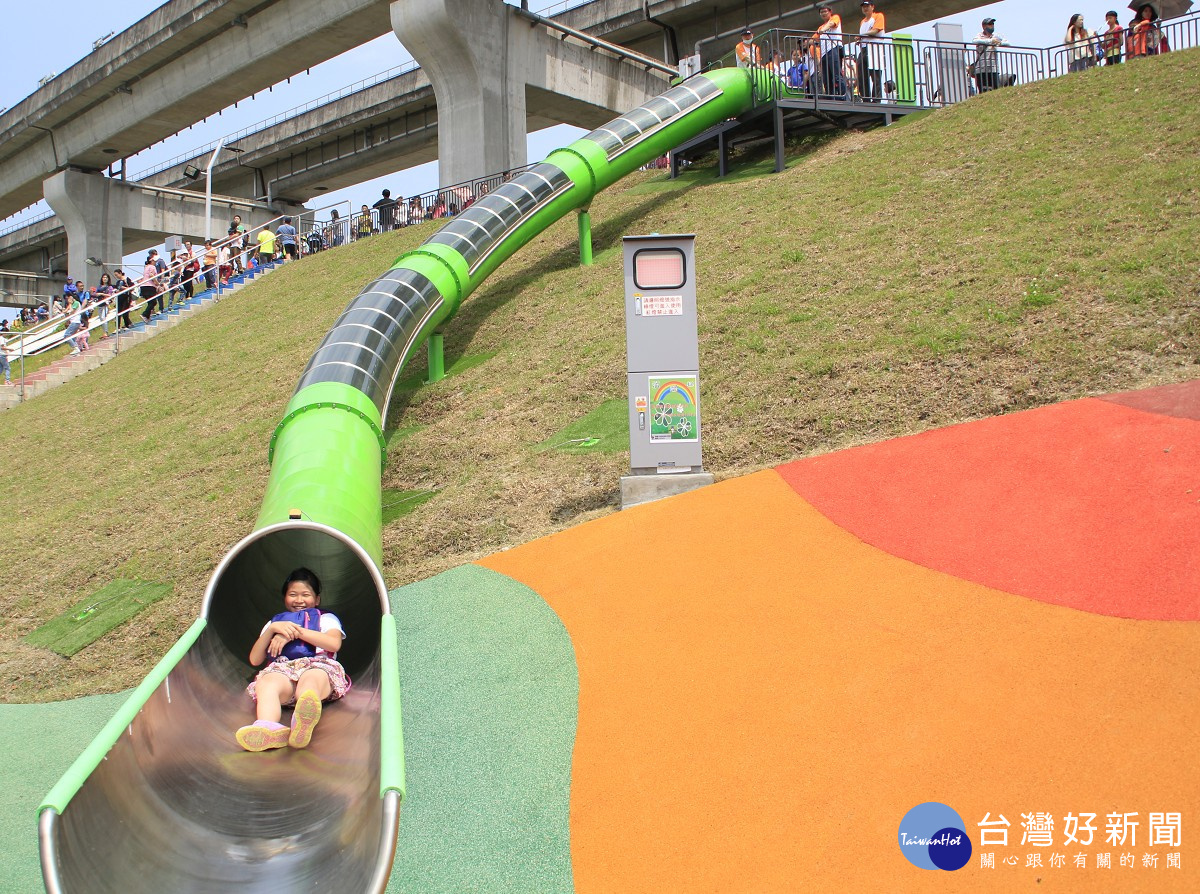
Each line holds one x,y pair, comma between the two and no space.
674,409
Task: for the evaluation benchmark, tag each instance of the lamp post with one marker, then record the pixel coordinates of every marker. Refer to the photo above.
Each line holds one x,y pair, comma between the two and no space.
208,190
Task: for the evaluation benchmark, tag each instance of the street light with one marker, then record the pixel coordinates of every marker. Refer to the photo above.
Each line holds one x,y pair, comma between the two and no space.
208,191
93,261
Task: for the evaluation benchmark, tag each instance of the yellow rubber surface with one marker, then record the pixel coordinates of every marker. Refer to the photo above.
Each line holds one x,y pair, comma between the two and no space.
763,697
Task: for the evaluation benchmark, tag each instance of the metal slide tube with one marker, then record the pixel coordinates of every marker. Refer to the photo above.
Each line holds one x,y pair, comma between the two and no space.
196,814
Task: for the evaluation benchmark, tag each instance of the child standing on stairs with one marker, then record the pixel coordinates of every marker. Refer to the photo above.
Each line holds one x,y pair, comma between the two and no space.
302,644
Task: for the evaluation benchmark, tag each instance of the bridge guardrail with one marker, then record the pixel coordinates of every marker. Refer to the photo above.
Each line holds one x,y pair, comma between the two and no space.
297,111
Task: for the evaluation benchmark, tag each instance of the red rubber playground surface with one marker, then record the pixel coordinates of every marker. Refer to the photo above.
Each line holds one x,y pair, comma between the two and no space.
1000,616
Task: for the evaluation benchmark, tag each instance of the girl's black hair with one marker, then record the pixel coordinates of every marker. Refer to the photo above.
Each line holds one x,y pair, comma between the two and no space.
304,576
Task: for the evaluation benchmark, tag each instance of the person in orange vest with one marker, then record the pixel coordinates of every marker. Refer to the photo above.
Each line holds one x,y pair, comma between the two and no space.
829,33
747,52
871,51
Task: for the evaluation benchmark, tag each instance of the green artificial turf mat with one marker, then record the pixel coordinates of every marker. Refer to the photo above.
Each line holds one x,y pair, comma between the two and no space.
398,503
84,623
490,699
604,430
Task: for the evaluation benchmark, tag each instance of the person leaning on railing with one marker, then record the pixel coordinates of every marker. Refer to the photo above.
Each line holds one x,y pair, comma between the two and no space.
746,51
829,33
363,225
1080,44
1112,39
801,74
1145,36
871,34
337,233
987,60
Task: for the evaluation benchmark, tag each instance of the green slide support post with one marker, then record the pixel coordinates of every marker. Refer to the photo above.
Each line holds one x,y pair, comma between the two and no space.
437,358
585,238
166,770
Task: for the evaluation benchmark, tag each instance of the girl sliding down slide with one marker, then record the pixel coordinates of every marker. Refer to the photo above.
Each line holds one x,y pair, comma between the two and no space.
302,644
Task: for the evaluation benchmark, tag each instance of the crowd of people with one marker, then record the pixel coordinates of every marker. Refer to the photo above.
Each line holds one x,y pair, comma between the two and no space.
167,282
825,63
820,64
1114,43
393,213
162,284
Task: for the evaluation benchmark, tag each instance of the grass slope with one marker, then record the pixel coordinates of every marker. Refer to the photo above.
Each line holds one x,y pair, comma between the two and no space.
1025,247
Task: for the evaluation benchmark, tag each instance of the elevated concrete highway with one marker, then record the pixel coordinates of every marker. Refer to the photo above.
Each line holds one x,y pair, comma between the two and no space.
386,126
190,58
393,124
669,29
185,61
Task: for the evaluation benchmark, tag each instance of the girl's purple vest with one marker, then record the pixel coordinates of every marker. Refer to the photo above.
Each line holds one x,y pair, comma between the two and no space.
310,619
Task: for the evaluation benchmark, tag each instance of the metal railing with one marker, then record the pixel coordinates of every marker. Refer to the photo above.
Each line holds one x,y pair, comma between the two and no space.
174,281
445,201
547,9
929,73
27,222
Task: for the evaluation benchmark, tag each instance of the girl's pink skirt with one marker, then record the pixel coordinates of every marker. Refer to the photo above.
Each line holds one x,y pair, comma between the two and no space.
292,668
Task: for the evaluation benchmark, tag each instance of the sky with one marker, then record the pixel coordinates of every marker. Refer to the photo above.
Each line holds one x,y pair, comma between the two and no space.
50,36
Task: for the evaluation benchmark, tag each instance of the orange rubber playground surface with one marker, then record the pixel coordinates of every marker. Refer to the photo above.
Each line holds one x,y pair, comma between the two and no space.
1002,616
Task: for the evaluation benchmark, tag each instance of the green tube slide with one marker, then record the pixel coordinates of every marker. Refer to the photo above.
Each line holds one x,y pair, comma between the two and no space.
196,813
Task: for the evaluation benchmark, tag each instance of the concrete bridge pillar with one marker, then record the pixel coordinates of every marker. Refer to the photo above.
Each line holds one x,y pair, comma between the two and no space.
93,210
475,54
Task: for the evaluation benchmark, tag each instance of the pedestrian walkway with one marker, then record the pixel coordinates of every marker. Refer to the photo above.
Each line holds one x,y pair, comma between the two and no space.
102,350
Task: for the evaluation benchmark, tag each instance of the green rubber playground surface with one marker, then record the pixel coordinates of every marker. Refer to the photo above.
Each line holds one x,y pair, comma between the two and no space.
37,744
489,724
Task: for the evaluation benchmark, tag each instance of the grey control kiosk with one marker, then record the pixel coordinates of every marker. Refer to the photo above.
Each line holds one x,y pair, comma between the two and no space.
663,368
